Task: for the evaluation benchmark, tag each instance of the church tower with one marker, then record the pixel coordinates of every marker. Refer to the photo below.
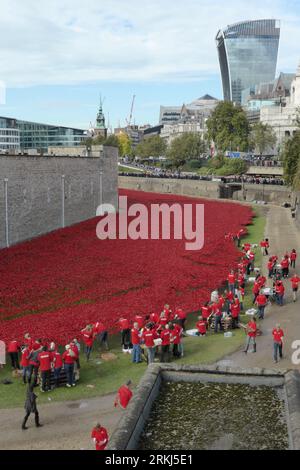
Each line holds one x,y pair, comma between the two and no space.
100,128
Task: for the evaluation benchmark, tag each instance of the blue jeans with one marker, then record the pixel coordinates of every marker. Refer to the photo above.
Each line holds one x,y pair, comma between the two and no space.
218,322
261,311
151,354
69,368
231,288
88,350
277,349
25,373
136,353
279,299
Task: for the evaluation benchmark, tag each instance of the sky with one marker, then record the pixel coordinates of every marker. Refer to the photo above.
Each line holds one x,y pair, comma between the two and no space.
58,57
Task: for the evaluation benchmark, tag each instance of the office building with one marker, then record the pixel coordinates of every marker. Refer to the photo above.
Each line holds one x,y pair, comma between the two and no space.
247,55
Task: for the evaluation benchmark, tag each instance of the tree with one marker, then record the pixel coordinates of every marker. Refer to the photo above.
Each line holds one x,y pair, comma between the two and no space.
262,137
125,147
188,146
153,146
228,127
291,160
112,141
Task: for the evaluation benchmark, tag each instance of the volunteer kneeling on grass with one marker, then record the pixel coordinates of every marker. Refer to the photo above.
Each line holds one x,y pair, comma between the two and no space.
124,395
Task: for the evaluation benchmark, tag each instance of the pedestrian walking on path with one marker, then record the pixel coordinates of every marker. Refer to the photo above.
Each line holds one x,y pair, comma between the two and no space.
295,282
251,331
30,407
277,342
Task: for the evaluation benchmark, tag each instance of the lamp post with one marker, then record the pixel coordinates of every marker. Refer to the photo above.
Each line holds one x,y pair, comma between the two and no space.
6,211
63,201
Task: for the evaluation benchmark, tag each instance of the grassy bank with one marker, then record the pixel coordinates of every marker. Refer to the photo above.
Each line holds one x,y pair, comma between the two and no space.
99,377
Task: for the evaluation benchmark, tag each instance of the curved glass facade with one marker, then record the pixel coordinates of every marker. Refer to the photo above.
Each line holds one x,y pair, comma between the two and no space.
247,55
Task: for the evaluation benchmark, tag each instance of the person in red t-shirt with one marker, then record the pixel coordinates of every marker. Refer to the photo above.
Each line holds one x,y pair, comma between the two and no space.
255,291
277,342
285,263
88,339
235,312
148,336
13,351
69,359
57,364
231,281
100,437
154,317
176,332
295,283
279,291
125,335
136,343
217,312
261,302
45,359
124,395
180,315
25,363
201,327
251,331
165,336
271,266
28,341
293,257
101,334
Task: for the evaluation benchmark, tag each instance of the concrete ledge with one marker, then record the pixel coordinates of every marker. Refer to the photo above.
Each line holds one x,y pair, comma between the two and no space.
131,425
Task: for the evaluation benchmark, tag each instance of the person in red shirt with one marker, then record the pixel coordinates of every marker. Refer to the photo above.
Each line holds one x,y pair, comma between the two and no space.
148,336
293,257
163,319
100,437
217,312
124,395
261,302
140,321
231,281
255,291
25,363
206,312
125,334
136,343
240,233
180,315
101,334
235,312
45,359
279,291
154,317
201,327
262,247
28,341
285,266
271,266
165,336
88,339
57,364
251,330
295,282
176,333
13,351
277,342
69,359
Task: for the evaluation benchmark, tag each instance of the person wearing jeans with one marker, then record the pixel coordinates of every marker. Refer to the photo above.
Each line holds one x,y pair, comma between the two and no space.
69,359
88,338
261,302
148,336
277,342
251,330
135,340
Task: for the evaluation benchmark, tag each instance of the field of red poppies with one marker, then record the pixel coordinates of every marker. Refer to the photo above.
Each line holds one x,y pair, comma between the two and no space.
54,285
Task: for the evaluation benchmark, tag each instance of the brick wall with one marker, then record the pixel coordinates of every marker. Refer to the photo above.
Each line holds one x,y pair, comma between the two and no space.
35,192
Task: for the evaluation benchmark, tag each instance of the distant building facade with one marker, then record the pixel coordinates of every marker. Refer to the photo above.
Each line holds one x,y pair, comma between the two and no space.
199,110
17,135
247,55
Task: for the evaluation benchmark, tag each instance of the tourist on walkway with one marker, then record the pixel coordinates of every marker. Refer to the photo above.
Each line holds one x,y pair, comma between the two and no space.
251,331
277,342
261,302
295,283
30,407
13,351
293,257
136,343
100,437
279,292
124,395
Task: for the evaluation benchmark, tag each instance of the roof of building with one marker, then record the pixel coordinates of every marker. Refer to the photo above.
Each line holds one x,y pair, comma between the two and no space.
207,98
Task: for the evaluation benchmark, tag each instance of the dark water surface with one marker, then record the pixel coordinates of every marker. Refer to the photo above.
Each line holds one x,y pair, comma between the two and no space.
216,416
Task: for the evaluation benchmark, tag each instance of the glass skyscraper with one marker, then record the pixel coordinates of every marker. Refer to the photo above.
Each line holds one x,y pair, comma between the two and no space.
247,55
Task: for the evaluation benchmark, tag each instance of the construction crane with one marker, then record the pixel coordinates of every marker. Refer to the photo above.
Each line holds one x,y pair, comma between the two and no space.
128,121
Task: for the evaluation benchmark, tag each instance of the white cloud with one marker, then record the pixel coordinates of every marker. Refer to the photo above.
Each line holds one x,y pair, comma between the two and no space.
70,41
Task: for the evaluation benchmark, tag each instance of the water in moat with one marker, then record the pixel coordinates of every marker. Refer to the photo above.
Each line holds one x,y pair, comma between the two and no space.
216,416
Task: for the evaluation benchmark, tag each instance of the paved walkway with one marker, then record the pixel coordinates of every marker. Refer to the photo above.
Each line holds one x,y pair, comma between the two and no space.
68,424
283,236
